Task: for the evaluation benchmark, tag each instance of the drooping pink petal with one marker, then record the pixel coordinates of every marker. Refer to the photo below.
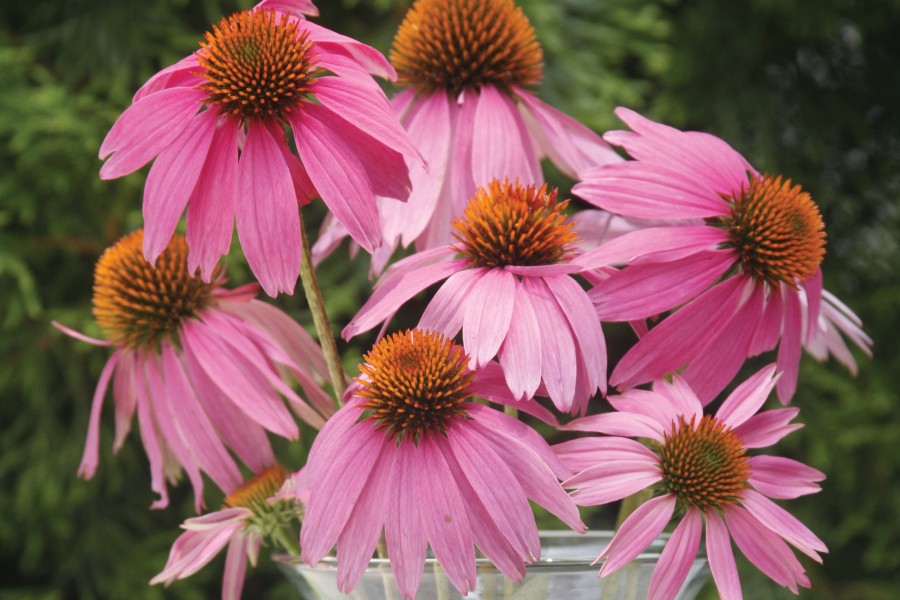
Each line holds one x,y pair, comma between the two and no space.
268,223
765,549
181,74
636,533
783,478
150,438
235,568
676,558
559,366
768,427
90,457
195,548
444,518
501,148
171,182
520,355
367,57
812,289
403,531
613,480
491,384
571,146
788,359
768,331
747,398
721,558
488,311
124,396
784,524
337,174
80,336
445,311
211,209
145,128
460,168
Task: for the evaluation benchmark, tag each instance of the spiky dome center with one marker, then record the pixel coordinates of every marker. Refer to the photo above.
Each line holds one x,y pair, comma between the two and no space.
511,224
414,383
704,464
777,230
457,45
136,303
256,491
256,65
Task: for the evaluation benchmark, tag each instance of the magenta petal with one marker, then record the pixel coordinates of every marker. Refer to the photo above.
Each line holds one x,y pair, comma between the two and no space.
747,398
211,210
676,558
337,173
488,311
784,524
681,397
181,74
768,427
788,359
783,478
403,532
613,480
171,181
580,453
721,558
520,431
145,128
674,241
90,457
621,424
521,353
813,289
637,532
491,385
445,311
268,223
366,56
765,549
501,148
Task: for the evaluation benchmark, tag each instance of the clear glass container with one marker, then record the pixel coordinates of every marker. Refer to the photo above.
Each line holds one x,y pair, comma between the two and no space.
564,572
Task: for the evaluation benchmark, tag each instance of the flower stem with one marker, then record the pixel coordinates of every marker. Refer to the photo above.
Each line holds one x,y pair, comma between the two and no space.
320,318
285,538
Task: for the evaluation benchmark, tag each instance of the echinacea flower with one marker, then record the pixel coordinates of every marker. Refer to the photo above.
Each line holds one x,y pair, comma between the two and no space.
251,513
205,368
409,455
512,293
467,66
700,470
215,124
740,254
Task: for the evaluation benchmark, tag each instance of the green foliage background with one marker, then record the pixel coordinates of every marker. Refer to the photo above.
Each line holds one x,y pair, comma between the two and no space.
811,91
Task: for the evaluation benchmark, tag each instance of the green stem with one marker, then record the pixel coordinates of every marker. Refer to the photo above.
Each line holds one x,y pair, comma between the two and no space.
287,540
320,318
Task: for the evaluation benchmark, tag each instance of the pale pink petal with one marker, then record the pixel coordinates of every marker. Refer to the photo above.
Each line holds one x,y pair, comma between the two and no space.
488,311
543,270
662,408
500,145
768,427
521,353
747,398
145,128
444,520
536,478
784,524
90,457
650,191
210,214
360,534
682,399
783,478
337,173
571,146
721,558
580,453
647,290
235,568
388,298
636,533
765,549
403,531
559,366
673,242
125,397
194,549
444,312
676,558
613,480
151,439
171,182
788,359
80,336
268,223
460,168
621,424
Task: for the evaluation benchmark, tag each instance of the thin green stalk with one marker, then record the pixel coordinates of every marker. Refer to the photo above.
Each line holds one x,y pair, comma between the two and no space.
320,318
286,539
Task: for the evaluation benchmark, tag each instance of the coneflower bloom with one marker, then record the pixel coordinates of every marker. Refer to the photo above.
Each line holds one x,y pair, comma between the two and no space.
509,287
251,513
468,66
408,454
205,368
215,124
740,254
700,470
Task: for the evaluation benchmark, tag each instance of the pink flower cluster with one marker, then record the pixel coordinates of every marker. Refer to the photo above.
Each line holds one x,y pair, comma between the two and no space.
710,261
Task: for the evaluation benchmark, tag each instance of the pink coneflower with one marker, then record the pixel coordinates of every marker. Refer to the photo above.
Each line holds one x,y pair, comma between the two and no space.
215,124
408,454
740,255
252,512
467,65
699,466
202,366
511,292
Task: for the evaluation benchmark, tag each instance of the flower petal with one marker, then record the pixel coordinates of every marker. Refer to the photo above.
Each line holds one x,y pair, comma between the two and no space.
676,558
90,457
721,558
783,478
747,398
501,148
488,311
636,533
